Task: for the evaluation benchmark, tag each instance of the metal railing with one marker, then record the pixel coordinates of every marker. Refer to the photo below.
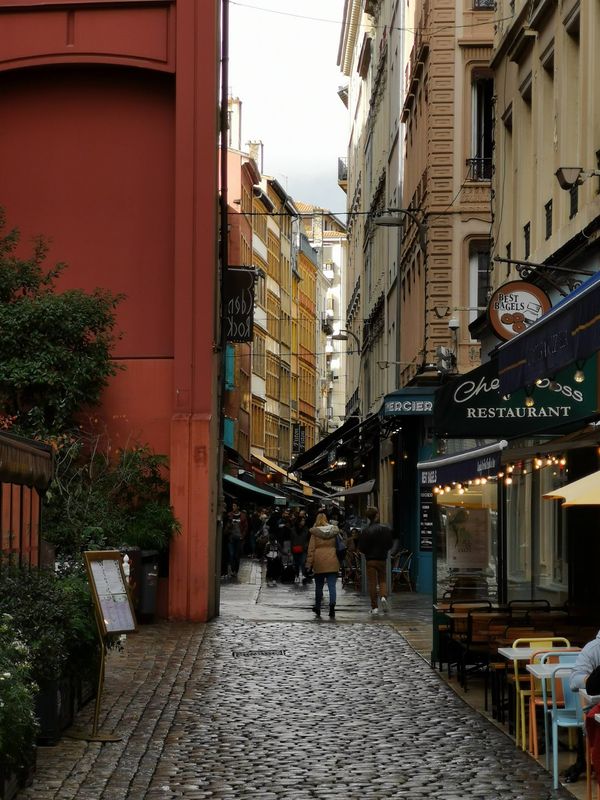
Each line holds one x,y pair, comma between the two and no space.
484,5
480,169
342,169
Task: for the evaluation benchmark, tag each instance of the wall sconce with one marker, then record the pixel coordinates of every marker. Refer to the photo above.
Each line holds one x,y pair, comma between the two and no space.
579,375
574,176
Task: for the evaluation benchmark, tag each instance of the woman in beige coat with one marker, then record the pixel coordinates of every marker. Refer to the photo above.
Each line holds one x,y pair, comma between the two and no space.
322,559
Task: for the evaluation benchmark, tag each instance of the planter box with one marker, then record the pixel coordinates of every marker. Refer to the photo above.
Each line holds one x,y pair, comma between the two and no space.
11,781
54,709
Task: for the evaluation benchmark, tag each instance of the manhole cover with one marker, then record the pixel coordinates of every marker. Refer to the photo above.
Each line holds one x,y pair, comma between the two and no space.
258,653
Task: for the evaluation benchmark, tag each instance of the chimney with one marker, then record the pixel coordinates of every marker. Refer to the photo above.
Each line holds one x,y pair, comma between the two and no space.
234,123
256,150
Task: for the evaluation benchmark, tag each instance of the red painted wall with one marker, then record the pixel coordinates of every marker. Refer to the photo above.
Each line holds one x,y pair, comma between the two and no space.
108,145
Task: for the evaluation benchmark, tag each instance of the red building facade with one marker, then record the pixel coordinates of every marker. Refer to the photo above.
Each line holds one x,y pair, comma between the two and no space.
109,148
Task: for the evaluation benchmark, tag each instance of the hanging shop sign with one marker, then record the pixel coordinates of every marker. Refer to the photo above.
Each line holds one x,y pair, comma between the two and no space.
569,333
515,306
298,438
472,405
238,304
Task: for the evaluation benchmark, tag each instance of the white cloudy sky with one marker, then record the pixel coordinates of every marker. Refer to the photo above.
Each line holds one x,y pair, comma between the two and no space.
283,68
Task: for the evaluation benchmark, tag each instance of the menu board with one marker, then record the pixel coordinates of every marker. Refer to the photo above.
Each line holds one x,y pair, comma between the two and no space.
109,590
426,512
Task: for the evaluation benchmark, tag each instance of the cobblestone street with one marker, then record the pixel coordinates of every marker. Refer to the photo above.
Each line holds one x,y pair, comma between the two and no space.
268,703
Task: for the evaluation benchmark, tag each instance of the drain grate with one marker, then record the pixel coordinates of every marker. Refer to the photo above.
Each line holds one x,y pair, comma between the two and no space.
258,653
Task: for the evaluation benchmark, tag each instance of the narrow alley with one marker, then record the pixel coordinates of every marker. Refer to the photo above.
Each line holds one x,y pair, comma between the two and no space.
267,702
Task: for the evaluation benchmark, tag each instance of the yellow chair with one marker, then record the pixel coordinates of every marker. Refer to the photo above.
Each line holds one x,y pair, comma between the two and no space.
543,640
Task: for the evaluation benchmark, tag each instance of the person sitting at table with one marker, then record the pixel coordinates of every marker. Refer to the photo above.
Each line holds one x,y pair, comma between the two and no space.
585,677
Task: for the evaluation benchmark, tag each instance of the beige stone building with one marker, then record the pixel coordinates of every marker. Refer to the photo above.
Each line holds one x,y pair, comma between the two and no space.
546,63
447,116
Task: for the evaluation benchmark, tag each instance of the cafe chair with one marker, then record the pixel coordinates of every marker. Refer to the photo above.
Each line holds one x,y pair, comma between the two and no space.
543,640
540,697
401,564
569,716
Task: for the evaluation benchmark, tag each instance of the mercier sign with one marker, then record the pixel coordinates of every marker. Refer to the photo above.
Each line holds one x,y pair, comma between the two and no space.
471,405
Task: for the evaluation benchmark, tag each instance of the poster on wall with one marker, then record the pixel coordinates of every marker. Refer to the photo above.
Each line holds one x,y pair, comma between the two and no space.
468,538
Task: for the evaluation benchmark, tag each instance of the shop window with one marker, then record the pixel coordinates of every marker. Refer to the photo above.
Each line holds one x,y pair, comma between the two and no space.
229,432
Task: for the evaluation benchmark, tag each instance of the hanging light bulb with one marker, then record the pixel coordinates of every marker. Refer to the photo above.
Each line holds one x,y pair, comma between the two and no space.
562,461
484,480
579,376
461,490
553,385
508,481
506,397
510,468
529,401
539,381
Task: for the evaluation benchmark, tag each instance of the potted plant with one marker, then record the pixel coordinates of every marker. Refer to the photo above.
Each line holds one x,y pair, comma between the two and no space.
18,724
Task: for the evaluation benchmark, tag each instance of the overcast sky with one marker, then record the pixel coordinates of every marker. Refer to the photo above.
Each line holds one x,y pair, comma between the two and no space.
283,68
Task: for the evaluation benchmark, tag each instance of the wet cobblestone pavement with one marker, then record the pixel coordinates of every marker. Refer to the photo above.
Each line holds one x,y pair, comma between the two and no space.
268,703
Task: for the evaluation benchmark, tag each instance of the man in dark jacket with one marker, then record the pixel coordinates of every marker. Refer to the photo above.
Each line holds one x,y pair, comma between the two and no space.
374,543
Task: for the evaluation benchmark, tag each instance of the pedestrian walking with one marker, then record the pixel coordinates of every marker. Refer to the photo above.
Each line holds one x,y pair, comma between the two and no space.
237,528
273,559
374,542
585,677
322,559
300,533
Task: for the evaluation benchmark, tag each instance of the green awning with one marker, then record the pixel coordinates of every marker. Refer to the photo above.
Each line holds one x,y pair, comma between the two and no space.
277,499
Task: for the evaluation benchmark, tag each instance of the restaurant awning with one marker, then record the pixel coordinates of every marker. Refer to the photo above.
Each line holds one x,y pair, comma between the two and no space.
583,492
477,463
237,484
359,488
568,333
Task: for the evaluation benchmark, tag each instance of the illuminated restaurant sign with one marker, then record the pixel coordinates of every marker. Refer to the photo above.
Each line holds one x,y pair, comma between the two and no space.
472,405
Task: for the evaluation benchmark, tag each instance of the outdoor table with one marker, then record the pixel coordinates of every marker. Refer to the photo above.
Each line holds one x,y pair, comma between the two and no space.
525,653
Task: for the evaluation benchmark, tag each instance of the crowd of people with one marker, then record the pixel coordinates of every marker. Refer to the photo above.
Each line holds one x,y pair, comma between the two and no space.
306,546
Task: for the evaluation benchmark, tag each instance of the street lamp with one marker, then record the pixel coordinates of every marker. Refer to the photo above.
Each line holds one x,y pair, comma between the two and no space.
389,219
343,335
568,177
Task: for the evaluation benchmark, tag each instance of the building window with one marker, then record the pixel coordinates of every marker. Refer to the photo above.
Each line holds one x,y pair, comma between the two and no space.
229,432
271,436
574,201
527,239
480,163
484,5
548,217
272,376
260,291
479,280
258,424
259,364
230,367
508,258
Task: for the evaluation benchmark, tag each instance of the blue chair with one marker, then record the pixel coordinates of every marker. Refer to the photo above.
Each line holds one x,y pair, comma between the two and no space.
558,658
569,716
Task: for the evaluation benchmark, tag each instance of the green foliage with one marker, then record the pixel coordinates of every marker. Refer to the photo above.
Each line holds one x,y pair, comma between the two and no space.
54,347
55,618
18,725
101,500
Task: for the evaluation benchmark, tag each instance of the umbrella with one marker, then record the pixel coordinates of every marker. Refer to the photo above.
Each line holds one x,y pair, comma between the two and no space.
584,492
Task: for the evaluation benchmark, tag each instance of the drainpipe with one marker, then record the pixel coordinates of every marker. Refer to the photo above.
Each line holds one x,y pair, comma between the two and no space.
223,258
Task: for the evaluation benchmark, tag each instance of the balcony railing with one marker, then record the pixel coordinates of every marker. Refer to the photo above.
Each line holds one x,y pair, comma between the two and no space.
480,169
342,170
484,5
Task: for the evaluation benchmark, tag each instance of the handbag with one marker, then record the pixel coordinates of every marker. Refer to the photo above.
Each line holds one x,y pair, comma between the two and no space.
340,547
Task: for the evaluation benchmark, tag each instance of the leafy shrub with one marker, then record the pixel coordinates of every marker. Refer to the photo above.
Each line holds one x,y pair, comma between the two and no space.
99,500
55,618
18,725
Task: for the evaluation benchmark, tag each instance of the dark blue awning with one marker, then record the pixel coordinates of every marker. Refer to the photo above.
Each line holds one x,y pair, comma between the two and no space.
483,462
567,333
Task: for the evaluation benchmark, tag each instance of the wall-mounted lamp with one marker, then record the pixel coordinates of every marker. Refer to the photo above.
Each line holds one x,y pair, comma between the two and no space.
574,176
389,219
343,335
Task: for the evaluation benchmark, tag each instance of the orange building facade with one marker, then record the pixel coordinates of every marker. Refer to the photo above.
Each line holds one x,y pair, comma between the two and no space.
109,148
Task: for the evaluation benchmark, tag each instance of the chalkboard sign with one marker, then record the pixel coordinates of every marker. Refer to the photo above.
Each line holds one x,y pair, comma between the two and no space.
109,590
238,304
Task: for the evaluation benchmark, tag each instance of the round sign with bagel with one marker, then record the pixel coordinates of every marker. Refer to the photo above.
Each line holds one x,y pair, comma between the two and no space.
515,306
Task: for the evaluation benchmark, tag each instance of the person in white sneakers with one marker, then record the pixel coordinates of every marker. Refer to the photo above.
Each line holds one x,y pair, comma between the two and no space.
374,542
